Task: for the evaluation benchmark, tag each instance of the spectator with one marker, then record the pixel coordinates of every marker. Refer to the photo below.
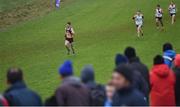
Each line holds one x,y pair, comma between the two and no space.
3,101
110,90
97,91
169,54
18,94
87,77
120,59
72,91
126,94
177,73
141,73
162,81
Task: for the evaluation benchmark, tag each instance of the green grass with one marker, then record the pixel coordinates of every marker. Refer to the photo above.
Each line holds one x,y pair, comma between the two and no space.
103,28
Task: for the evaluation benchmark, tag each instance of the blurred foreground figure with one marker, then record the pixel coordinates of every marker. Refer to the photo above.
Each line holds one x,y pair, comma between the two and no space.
177,73
141,72
71,92
18,94
168,54
97,91
110,90
3,101
126,94
162,81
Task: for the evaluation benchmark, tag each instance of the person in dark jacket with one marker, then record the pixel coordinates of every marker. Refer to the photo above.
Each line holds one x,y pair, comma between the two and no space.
168,54
88,77
141,72
97,91
126,94
18,94
177,74
72,91
162,80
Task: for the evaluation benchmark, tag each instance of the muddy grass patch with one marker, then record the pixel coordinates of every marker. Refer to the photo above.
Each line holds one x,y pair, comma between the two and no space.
24,12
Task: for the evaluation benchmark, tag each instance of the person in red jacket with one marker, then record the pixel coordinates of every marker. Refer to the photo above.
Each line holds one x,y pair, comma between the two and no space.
162,81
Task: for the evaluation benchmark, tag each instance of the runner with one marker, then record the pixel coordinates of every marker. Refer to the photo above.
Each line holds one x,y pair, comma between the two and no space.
172,12
69,35
138,18
159,16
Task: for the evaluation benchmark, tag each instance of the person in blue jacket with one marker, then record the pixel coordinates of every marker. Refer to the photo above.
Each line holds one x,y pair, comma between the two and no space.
168,54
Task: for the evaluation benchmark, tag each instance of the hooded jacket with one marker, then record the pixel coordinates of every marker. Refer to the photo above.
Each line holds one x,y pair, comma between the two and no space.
169,56
162,81
72,93
87,77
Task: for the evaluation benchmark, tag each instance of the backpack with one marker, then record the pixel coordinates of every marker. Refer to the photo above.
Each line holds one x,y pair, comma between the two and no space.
98,95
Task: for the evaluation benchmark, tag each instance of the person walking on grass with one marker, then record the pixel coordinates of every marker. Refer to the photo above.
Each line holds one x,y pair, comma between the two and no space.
69,38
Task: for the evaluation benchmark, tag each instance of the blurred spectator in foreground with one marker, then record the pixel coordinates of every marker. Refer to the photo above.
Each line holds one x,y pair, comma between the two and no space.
110,90
88,77
169,54
177,73
126,94
97,91
18,94
141,72
162,81
120,59
72,91
3,101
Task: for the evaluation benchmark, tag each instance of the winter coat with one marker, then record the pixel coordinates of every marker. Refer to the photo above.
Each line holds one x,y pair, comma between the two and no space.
19,95
169,56
129,97
72,93
141,76
177,86
162,81
87,77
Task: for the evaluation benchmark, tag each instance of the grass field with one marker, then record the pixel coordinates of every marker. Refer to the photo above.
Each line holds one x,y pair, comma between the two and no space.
103,28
